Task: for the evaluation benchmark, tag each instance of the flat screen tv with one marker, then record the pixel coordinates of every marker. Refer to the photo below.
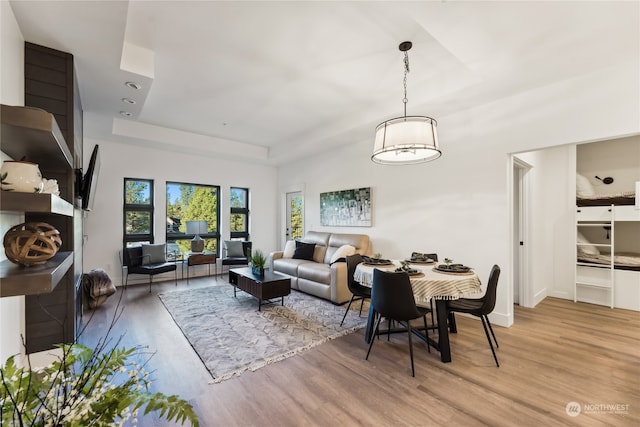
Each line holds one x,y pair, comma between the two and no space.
90,180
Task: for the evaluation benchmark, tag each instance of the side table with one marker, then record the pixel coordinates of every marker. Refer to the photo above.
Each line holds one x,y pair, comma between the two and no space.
201,258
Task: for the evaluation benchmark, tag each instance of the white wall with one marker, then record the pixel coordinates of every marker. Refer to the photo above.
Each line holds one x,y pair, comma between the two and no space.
619,159
11,93
458,205
103,225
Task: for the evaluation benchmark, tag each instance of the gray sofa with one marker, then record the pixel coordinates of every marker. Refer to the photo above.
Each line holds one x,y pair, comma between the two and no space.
319,277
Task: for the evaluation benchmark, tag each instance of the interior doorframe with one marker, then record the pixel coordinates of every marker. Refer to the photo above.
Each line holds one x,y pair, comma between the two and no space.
298,188
521,170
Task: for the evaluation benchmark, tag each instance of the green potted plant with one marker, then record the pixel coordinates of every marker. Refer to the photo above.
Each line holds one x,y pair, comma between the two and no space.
258,261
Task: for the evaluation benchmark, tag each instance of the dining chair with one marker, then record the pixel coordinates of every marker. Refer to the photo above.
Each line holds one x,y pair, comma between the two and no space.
479,307
434,257
392,298
358,291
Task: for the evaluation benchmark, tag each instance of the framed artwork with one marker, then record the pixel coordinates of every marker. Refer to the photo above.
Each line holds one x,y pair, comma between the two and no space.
348,208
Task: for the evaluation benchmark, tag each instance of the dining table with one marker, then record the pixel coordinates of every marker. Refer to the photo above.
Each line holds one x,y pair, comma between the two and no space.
428,284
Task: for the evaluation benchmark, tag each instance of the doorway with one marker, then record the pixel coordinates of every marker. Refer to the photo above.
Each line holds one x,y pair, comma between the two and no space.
520,232
294,224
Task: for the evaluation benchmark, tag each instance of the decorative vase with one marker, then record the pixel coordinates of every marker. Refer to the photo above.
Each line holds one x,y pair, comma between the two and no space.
258,271
22,177
31,243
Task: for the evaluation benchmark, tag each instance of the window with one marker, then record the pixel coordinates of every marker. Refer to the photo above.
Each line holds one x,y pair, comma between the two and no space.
187,203
295,219
239,213
138,211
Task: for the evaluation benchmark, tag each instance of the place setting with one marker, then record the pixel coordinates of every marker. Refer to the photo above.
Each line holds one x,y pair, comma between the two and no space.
450,268
376,260
406,268
420,258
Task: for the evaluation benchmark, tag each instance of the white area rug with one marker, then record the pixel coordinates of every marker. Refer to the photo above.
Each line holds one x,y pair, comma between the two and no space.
231,336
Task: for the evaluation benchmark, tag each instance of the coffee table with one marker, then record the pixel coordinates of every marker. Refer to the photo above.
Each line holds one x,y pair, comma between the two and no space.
269,286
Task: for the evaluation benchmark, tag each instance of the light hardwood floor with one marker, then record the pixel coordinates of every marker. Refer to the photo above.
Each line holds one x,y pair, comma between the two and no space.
554,354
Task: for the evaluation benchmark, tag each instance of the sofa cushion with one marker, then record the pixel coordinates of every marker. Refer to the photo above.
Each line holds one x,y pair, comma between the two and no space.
154,254
318,237
289,249
319,253
342,252
358,241
304,250
315,272
234,248
288,265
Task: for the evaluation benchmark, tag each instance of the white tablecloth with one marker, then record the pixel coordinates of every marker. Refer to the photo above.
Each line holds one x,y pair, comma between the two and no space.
430,284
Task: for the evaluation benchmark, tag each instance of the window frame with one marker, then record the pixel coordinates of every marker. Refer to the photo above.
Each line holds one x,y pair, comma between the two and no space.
236,235
172,237
138,238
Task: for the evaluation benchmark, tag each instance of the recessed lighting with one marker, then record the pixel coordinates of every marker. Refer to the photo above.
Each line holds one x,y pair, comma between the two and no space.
133,85
125,113
128,101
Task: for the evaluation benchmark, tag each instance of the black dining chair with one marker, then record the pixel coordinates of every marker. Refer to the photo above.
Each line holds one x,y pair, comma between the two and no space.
358,291
479,307
435,258
392,298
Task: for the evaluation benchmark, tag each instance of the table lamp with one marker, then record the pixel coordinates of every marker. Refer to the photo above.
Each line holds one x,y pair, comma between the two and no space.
197,227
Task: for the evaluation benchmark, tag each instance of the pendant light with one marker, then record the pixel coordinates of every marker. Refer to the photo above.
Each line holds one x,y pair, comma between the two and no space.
406,140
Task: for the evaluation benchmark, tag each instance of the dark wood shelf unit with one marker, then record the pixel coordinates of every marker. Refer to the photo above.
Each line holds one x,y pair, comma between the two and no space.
34,134
17,280
35,203
47,131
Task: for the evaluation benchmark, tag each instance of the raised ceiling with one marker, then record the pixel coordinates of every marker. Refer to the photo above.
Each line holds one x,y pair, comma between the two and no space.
273,82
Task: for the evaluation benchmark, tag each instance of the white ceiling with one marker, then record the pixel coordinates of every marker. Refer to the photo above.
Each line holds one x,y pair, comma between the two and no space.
272,82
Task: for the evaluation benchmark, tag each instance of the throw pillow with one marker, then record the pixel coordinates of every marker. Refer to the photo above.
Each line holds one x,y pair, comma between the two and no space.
154,254
342,252
304,250
586,248
234,248
289,249
583,186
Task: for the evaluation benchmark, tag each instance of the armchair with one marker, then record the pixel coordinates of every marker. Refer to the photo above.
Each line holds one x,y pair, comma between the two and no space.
235,252
150,261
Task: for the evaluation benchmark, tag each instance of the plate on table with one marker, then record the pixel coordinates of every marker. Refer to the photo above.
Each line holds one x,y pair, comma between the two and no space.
453,269
376,261
420,260
410,272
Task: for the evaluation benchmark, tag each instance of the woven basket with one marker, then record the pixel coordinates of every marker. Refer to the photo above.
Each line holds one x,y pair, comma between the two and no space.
31,243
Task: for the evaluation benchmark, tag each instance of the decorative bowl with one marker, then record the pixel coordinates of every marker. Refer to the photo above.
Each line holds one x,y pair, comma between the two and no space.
31,243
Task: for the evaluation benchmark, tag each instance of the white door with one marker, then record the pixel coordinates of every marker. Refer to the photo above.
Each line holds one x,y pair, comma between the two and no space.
520,232
295,216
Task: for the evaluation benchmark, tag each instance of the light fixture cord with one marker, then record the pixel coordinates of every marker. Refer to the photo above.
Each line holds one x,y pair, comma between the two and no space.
406,70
